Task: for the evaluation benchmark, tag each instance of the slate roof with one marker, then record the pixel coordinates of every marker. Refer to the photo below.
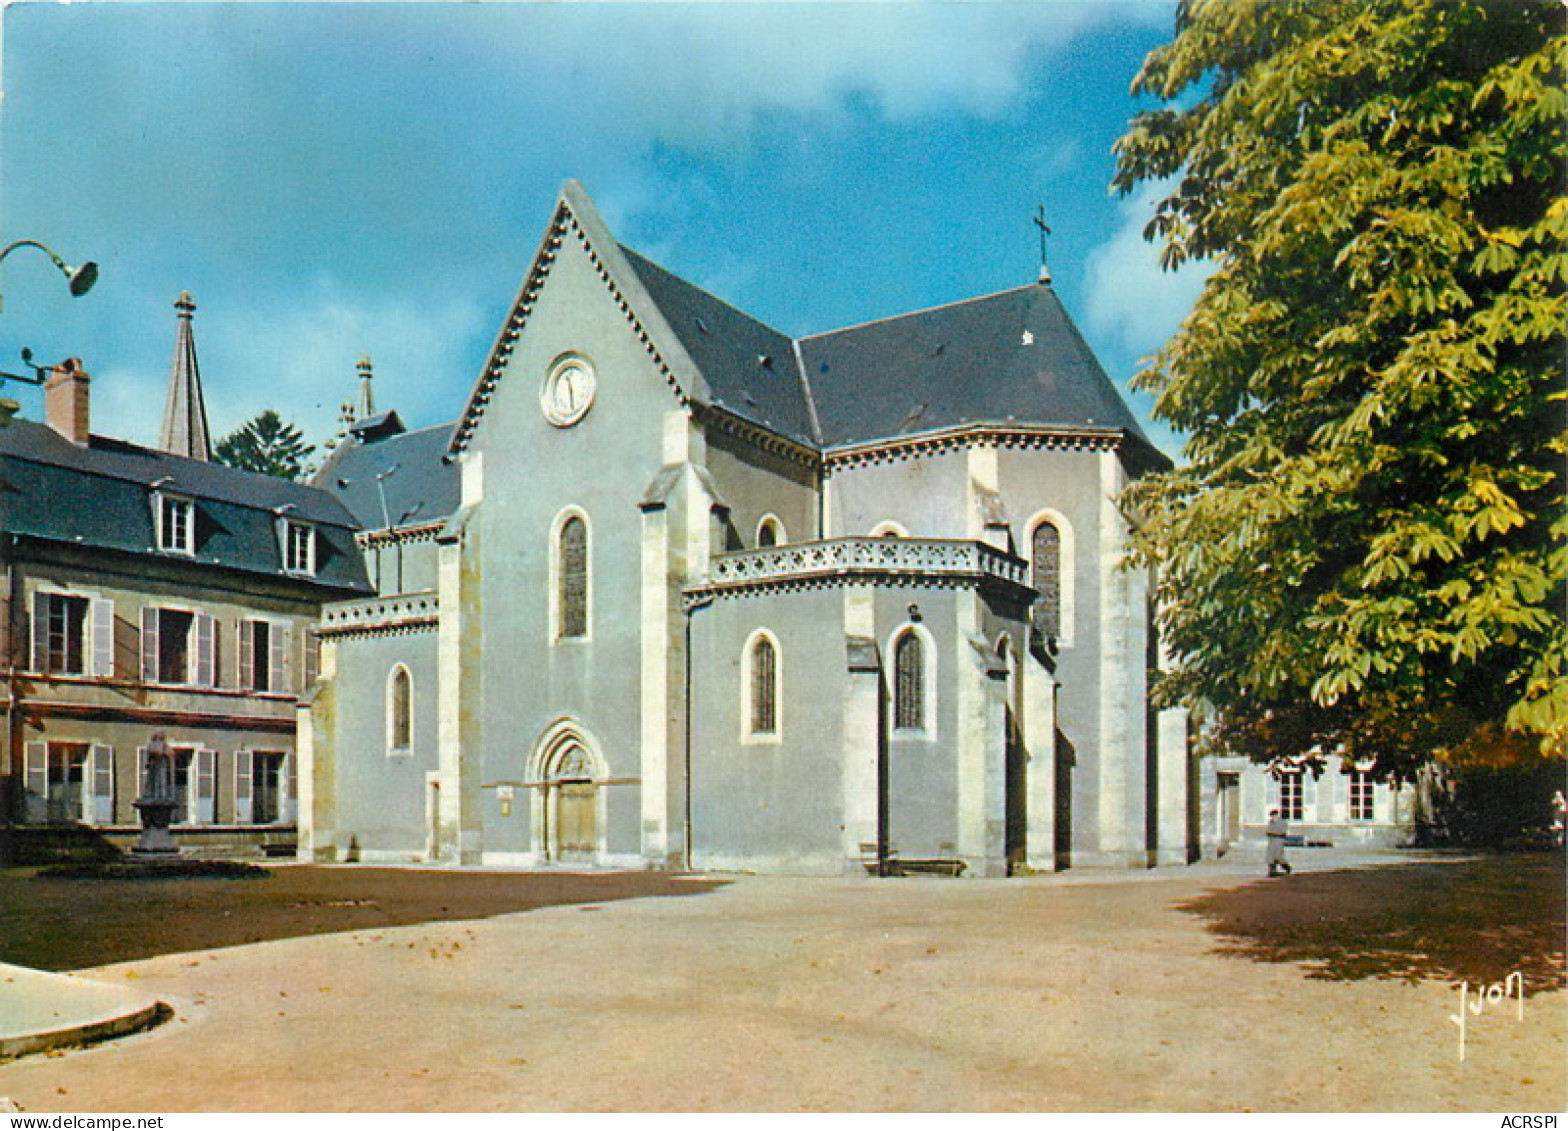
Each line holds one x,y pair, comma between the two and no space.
1008,359
1013,357
749,366
423,486
101,497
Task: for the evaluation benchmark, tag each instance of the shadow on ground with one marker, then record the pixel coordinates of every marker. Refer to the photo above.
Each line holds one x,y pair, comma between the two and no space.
71,924
1475,920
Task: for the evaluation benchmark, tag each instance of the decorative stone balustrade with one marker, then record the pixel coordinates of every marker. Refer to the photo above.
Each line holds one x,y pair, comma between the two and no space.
381,614
888,560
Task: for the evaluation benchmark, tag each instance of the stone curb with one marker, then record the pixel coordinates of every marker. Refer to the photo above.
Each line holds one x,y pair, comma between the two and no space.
40,1011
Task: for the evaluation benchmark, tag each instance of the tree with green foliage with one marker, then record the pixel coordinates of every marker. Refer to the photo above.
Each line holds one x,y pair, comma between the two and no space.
1363,550
266,444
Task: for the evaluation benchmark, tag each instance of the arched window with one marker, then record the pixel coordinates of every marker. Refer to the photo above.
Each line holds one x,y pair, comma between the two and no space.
400,711
769,533
909,682
889,530
760,673
1046,576
764,686
572,579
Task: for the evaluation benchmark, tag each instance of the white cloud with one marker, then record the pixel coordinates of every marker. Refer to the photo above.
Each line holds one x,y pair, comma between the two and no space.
1129,298
702,76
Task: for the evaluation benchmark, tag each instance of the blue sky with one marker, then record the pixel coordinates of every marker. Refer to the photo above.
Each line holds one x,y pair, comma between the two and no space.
331,180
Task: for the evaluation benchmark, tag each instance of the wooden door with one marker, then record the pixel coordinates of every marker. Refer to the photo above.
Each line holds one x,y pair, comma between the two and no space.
576,821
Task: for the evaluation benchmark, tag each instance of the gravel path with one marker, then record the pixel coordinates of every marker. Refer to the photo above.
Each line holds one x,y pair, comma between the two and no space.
771,994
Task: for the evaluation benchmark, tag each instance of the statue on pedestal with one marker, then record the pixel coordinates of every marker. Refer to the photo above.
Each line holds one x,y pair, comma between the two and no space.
157,803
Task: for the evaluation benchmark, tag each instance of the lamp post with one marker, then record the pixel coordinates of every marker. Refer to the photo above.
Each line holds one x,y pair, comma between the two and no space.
79,279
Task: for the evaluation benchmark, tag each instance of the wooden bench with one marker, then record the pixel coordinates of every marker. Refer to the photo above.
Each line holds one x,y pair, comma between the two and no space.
877,864
934,867
891,864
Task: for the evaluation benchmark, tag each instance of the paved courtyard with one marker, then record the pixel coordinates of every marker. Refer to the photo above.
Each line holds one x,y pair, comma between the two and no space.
1189,990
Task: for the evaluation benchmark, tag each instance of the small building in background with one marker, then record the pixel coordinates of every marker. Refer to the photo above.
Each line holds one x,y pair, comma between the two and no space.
1339,804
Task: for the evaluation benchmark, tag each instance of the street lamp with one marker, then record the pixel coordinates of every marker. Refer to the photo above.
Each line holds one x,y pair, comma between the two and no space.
79,279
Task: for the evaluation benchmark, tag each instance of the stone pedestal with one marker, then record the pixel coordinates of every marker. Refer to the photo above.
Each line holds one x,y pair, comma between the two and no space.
157,804
156,841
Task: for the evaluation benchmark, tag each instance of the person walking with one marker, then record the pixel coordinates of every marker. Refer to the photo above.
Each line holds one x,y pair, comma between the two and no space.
1276,853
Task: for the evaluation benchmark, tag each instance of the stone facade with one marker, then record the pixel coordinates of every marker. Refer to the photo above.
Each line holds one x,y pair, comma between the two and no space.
154,593
679,591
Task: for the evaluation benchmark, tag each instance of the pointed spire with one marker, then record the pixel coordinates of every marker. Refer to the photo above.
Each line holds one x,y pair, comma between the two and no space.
184,413
365,408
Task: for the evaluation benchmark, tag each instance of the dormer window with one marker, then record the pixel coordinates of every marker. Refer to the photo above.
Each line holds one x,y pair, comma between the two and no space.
299,547
176,524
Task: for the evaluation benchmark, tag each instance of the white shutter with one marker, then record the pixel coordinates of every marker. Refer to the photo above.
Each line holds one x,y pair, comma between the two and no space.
277,657
35,782
40,632
288,809
103,638
312,656
150,645
140,787
1342,793
247,667
244,811
1309,796
101,807
204,791
206,651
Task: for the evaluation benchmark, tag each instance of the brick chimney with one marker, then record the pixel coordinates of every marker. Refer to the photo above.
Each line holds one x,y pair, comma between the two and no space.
65,400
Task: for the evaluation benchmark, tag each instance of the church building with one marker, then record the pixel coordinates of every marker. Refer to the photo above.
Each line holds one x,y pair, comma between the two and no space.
677,590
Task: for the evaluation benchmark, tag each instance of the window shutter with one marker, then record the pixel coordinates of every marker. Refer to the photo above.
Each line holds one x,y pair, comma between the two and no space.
277,657
150,645
35,782
312,657
247,665
206,650
204,787
40,632
290,808
102,811
141,773
1341,794
243,808
1309,795
103,638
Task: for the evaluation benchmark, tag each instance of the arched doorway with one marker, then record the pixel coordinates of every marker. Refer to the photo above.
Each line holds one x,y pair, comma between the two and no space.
569,778
572,807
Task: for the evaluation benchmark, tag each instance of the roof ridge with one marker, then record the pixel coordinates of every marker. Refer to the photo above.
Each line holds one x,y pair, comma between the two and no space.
416,431
914,313
805,390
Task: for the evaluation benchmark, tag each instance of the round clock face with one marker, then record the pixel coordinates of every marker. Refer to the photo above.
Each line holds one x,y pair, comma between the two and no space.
568,392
